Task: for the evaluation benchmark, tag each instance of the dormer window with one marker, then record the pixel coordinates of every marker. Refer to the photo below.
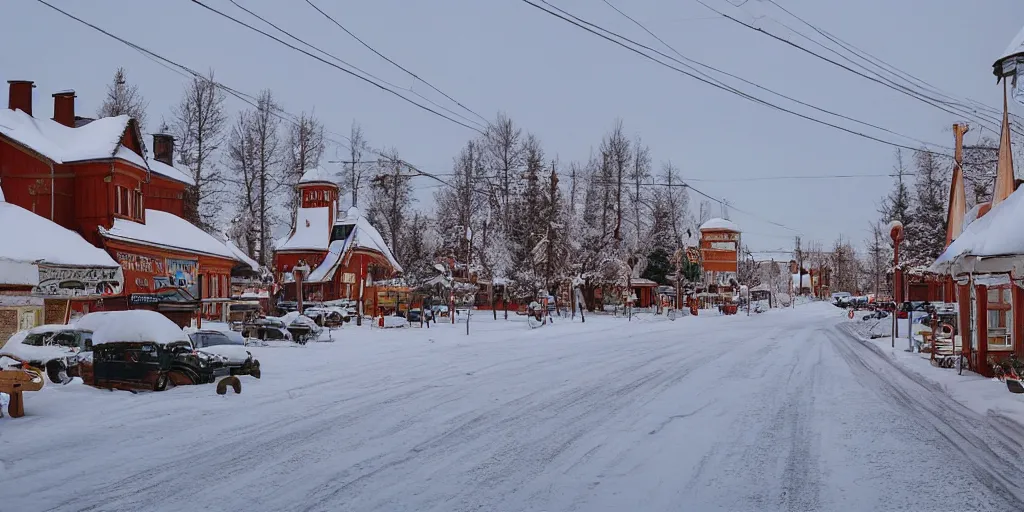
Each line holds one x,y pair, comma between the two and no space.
128,203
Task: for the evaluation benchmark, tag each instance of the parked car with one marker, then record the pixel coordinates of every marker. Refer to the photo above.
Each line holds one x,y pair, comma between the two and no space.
301,327
270,328
230,346
53,349
143,350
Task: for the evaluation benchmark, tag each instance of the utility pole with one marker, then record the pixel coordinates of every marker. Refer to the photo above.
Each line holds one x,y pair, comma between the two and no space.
799,270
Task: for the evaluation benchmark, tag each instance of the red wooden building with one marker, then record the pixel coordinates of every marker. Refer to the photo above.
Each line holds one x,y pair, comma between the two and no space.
346,253
93,176
719,247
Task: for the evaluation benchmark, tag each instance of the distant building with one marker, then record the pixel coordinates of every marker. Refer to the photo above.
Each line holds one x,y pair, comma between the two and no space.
719,247
341,251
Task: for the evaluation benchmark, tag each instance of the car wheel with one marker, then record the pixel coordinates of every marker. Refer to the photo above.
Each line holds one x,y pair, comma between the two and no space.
57,372
161,382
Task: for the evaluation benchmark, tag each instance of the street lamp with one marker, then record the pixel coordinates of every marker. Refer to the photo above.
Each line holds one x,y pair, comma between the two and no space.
896,233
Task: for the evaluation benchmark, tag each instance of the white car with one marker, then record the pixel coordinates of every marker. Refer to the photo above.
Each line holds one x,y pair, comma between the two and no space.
55,349
227,348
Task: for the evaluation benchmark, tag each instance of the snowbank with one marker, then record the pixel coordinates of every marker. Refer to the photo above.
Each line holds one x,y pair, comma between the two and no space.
130,326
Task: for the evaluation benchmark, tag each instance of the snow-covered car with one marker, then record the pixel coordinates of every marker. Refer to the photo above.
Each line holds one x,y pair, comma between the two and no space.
53,349
270,328
228,348
301,327
142,349
330,316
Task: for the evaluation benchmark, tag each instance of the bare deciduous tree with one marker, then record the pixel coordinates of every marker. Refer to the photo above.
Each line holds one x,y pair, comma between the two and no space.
357,170
390,198
199,124
305,151
124,99
254,156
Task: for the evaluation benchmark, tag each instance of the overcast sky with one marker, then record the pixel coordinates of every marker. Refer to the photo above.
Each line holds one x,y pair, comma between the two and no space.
563,84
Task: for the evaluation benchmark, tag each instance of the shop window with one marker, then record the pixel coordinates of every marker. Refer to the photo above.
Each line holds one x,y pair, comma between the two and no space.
1000,317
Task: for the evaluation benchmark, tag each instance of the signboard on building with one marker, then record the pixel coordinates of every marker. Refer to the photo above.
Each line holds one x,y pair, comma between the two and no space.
68,282
182,273
720,236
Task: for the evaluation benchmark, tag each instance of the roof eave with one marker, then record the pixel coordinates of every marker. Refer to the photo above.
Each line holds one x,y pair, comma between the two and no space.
107,234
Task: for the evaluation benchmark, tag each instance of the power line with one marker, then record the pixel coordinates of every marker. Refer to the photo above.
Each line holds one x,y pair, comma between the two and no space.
878,62
333,65
711,81
353,66
896,87
748,82
399,66
187,72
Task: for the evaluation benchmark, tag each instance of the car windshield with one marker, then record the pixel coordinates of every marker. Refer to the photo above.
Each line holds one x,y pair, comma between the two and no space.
61,338
211,339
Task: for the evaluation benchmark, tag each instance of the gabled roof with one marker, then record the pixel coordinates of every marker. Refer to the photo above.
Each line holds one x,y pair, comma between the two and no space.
168,231
97,140
363,236
311,232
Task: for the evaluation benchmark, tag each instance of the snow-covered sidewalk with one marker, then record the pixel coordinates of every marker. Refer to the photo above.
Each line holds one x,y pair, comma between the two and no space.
988,397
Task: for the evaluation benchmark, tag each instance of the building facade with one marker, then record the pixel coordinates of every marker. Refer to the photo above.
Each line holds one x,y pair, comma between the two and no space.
94,177
719,247
347,257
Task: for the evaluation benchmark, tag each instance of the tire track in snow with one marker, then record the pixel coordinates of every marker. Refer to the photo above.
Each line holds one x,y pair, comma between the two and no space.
988,450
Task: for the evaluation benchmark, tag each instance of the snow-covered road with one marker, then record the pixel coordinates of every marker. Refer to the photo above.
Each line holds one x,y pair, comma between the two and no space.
780,411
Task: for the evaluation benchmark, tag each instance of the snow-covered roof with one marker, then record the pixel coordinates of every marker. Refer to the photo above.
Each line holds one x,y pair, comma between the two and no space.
365,236
29,238
997,233
173,173
311,232
1016,46
717,223
135,326
168,231
316,175
639,281
240,255
971,216
97,140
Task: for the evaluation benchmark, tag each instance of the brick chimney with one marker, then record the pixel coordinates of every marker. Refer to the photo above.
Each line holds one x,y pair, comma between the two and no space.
64,108
163,148
20,95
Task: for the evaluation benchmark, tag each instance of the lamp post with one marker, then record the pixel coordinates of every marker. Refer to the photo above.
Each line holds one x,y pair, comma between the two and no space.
896,233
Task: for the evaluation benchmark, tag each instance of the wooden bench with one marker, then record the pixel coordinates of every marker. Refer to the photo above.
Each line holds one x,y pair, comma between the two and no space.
14,383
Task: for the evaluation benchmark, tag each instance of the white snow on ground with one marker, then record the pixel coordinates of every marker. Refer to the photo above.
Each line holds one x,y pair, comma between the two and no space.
987,397
777,411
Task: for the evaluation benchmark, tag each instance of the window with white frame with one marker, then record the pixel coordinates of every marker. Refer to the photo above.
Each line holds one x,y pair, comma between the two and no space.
1000,316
